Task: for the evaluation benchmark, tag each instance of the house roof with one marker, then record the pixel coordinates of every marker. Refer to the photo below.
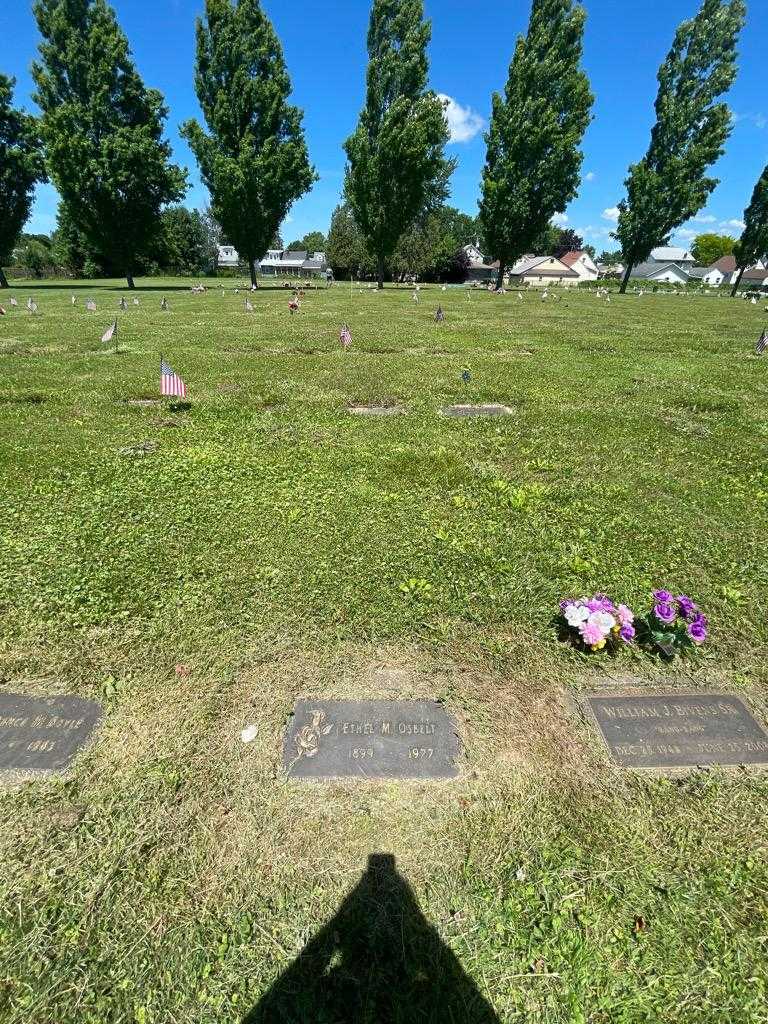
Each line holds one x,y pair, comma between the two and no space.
529,264
649,270
726,264
755,275
671,254
699,273
573,257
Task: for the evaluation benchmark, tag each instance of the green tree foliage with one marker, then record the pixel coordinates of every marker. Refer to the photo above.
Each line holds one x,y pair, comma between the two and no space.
610,257
431,249
533,158
753,244
21,167
102,130
568,241
396,166
34,256
70,247
187,246
315,241
346,248
708,247
253,159
670,185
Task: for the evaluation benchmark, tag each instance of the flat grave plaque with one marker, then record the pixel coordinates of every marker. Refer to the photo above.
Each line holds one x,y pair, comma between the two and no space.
372,739
42,734
679,730
376,410
463,411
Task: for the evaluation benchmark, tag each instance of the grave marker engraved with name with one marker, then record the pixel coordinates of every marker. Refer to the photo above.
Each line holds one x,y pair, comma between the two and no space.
679,730
42,734
463,411
372,739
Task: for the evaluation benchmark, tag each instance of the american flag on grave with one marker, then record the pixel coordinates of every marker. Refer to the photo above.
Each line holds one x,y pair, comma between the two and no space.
74,300
135,302
248,306
90,306
170,382
439,315
345,336
762,343
122,303
31,306
164,304
13,301
110,332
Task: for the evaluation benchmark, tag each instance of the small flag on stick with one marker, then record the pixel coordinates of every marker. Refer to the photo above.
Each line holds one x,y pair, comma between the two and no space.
90,306
293,305
13,301
439,315
135,302
345,336
122,303
248,306
164,304
466,376
170,382
110,332
762,343
31,306
74,301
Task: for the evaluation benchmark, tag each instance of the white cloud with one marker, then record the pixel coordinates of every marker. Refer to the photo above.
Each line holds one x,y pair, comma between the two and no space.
704,218
739,225
463,123
686,234
612,213
589,176
759,120
561,219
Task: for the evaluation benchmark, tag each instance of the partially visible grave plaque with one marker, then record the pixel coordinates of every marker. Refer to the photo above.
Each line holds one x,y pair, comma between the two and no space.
376,410
374,739
476,410
42,734
679,730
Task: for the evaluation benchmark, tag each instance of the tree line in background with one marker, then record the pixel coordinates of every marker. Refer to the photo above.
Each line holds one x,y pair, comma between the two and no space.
99,139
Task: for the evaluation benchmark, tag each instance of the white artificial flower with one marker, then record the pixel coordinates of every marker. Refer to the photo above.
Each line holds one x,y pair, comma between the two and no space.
249,734
603,621
576,614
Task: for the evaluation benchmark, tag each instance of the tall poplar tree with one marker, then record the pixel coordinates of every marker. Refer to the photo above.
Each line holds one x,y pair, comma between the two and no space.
254,160
21,167
396,167
102,130
753,244
533,158
670,185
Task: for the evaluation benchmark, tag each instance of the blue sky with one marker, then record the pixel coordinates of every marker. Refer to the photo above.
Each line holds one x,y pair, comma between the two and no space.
470,52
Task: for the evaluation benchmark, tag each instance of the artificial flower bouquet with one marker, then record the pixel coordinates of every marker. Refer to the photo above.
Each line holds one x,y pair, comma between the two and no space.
595,623
674,625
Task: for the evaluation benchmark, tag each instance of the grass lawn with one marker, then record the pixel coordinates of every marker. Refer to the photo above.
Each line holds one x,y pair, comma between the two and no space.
198,569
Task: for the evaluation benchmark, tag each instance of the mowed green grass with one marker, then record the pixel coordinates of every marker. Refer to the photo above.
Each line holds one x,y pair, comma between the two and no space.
271,546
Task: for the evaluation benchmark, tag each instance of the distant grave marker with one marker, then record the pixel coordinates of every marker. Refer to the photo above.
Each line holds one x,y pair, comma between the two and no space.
464,411
373,739
42,734
376,410
676,730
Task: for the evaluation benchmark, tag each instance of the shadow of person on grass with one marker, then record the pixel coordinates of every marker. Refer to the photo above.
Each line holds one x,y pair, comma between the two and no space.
378,961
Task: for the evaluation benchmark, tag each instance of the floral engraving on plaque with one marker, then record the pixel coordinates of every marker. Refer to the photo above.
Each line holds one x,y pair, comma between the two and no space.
309,736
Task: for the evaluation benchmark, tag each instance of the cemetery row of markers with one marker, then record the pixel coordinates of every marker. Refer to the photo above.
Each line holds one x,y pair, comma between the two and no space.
635,729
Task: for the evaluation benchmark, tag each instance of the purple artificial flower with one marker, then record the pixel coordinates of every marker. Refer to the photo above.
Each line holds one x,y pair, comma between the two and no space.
627,633
687,606
665,612
662,596
697,630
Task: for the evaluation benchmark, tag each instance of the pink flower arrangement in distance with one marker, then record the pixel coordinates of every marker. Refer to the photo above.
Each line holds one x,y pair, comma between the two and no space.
595,623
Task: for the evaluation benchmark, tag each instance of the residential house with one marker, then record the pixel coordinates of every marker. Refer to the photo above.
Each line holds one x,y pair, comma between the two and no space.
582,263
479,270
712,277
285,263
541,271
756,278
660,273
615,270
227,257
671,254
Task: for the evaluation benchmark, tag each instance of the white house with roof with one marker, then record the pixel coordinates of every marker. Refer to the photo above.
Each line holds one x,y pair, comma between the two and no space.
287,263
542,271
660,273
227,257
582,263
478,269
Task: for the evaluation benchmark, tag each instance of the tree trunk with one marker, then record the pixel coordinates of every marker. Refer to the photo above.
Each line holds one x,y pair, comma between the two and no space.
500,278
736,283
252,268
129,279
625,280
380,272
3,279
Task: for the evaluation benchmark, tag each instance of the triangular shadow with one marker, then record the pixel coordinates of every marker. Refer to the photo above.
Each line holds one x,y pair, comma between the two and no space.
378,961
